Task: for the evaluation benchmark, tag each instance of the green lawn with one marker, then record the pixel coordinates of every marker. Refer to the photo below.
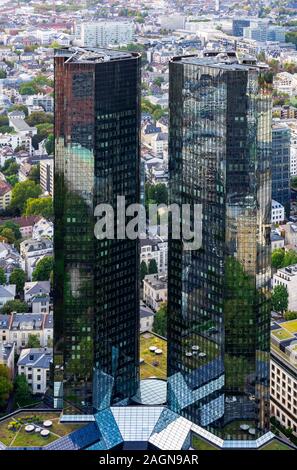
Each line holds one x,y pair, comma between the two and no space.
282,334
201,444
148,368
25,439
290,326
20,438
276,445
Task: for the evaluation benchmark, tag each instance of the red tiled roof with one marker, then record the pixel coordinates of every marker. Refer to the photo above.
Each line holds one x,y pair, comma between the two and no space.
4,187
22,221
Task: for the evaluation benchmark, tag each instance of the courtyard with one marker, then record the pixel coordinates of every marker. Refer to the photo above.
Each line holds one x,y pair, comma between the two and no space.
13,433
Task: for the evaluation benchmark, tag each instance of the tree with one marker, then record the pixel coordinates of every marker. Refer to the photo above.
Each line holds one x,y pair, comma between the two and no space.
277,258
280,298
160,320
43,269
290,316
39,117
143,270
290,258
7,130
22,192
3,74
4,121
18,277
49,144
10,167
11,231
5,389
153,267
22,391
19,107
282,258
27,89
14,306
40,206
2,277
8,234
34,174
33,341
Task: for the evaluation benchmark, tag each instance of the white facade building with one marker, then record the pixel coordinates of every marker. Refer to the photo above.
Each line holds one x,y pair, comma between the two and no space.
104,33
277,213
43,229
157,249
32,251
7,293
34,364
288,277
24,325
47,176
286,82
154,291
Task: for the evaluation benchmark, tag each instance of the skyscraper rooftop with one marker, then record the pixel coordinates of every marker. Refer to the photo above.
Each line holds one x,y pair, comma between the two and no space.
93,54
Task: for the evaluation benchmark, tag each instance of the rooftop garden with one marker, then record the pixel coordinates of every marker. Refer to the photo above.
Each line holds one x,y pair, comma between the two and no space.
290,326
282,334
201,444
152,364
276,445
13,433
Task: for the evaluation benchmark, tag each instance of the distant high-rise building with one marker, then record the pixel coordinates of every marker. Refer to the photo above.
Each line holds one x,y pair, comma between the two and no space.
104,33
218,295
96,282
238,25
47,175
281,141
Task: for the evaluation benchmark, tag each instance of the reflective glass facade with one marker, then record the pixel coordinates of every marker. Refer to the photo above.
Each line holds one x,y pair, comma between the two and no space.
97,158
218,296
281,192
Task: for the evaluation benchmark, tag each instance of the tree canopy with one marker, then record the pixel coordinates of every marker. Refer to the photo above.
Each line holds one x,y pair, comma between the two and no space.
22,192
43,269
160,321
280,298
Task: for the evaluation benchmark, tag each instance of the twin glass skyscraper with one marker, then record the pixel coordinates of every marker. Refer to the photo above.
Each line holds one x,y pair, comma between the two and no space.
218,296
96,282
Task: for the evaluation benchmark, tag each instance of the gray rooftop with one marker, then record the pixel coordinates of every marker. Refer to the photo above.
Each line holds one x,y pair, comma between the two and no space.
93,54
36,357
222,60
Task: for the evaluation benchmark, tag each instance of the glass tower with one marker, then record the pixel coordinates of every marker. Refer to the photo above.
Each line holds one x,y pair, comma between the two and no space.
281,137
218,295
97,158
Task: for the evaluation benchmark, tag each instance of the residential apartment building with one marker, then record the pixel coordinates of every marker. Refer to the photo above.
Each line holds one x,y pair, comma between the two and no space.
5,195
33,251
287,277
47,176
25,324
7,293
283,374
104,33
154,290
34,364
157,249
277,213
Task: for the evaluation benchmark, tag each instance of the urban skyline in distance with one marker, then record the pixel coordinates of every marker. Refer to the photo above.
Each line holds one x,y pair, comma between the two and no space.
148,227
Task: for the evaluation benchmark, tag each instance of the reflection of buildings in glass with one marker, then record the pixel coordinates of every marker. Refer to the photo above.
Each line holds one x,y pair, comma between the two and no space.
96,281
220,157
